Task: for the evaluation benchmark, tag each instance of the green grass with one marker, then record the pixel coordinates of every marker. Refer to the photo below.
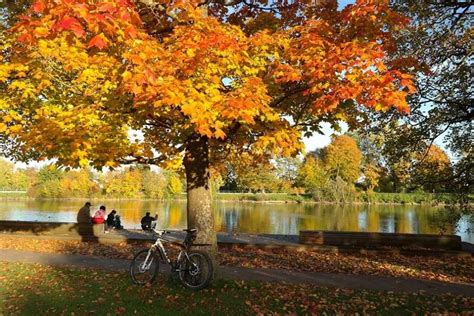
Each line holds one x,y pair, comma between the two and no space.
408,198
362,197
263,197
27,289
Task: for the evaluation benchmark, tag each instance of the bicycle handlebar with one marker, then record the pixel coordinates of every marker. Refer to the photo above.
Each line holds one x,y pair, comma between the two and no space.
161,232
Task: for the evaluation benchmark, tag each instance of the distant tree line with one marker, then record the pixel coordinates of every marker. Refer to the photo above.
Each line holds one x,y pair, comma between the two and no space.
348,166
51,182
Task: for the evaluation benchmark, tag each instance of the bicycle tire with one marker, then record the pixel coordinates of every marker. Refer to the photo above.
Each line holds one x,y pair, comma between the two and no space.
196,272
135,267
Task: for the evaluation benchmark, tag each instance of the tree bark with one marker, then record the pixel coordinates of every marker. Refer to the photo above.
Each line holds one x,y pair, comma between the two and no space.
200,215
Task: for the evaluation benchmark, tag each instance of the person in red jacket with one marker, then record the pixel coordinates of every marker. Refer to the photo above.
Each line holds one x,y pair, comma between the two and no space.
99,216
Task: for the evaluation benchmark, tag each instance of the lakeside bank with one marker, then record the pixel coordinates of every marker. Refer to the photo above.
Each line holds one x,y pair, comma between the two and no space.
375,198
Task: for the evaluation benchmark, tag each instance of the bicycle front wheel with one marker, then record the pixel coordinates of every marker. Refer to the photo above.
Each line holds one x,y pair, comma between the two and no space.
144,267
196,272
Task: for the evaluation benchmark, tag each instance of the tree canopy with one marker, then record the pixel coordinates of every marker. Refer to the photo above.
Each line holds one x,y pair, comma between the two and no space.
78,76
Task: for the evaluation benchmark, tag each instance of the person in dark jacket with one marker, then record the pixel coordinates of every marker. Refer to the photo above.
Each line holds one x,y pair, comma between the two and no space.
146,221
111,219
84,214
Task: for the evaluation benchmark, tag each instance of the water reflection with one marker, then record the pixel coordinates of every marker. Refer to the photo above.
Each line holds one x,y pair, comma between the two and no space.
270,218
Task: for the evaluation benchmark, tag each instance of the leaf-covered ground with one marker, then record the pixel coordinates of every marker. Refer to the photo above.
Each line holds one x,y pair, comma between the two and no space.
27,289
441,268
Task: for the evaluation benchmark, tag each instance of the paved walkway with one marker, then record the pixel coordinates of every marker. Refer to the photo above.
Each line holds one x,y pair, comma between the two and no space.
367,282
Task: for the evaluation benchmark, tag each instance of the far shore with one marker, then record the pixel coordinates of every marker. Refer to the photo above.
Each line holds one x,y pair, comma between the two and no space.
278,198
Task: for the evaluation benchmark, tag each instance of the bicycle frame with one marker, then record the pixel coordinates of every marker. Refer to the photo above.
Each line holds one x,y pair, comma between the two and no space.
158,245
193,267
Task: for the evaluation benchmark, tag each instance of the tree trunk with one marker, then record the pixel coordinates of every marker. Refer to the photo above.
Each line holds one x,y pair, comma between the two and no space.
200,215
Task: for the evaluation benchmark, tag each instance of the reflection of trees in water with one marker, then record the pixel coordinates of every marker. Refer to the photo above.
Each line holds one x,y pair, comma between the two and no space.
258,217
176,217
453,219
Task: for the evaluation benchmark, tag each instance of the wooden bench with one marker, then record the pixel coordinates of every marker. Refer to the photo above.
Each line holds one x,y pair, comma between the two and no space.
377,240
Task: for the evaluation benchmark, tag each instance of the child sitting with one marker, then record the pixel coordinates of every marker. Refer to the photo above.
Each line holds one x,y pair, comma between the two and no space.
113,220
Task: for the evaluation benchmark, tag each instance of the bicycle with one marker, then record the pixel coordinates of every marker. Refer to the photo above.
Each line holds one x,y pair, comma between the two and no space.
194,267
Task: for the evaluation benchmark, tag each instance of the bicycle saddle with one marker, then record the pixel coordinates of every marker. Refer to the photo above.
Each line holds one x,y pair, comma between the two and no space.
190,231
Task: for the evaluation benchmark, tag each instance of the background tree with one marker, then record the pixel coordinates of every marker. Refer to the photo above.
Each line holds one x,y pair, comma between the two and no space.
342,158
175,186
372,175
432,169
439,39
200,82
48,183
7,175
287,171
126,184
312,176
78,183
154,185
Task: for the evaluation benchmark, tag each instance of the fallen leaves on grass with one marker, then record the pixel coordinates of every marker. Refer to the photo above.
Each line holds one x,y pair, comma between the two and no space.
43,293
440,268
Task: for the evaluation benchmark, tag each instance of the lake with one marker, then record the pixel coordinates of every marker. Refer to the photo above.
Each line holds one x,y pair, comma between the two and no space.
270,218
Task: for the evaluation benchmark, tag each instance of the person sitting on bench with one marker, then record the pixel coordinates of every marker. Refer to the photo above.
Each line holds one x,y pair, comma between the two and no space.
99,216
113,220
146,221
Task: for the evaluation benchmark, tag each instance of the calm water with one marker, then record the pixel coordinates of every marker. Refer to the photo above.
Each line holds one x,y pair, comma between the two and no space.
269,218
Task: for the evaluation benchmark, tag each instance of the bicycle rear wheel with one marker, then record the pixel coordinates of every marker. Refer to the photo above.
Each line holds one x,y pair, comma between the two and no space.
196,272
144,267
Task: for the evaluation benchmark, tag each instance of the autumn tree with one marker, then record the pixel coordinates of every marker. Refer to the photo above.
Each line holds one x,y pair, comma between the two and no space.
287,171
312,176
154,184
11,178
431,169
259,177
48,183
7,175
342,158
123,184
78,183
175,186
197,82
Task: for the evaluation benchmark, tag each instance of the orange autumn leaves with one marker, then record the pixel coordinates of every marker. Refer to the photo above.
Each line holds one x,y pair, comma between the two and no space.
209,71
94,65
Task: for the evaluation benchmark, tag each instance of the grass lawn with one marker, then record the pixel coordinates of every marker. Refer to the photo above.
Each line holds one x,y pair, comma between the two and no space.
27,289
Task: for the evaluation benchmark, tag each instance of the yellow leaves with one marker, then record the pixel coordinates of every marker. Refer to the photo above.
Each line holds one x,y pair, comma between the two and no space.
4,73
283,141
127,75
41,32
190,53
89,76
173,163
15,129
